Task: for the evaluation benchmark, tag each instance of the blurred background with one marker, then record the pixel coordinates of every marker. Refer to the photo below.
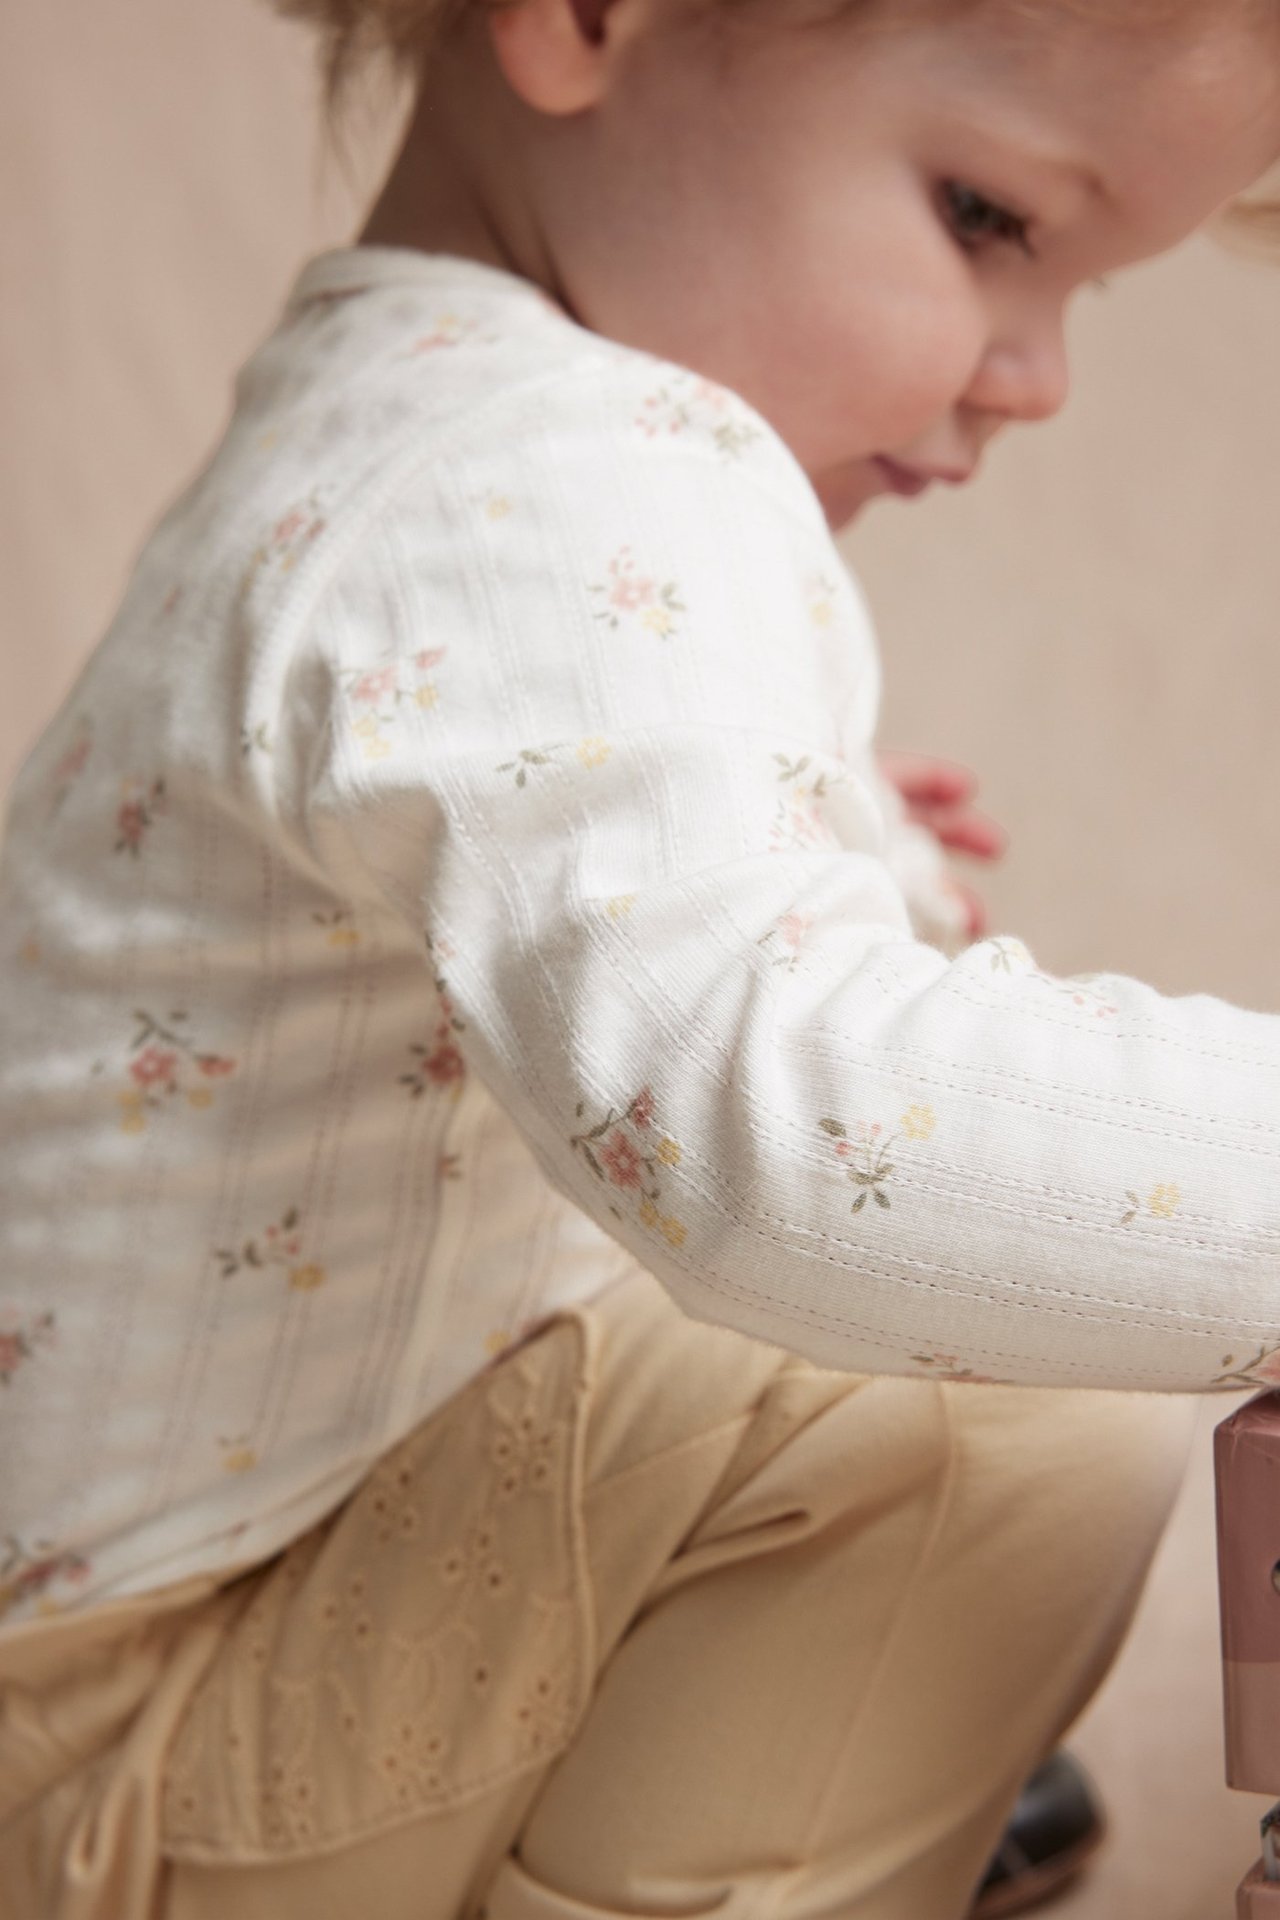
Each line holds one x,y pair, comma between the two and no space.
1095,628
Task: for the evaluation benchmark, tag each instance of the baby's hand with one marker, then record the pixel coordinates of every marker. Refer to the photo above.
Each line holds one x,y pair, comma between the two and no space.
938,795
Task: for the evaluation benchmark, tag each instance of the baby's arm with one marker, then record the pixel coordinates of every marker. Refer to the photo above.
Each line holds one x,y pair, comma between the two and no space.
639,811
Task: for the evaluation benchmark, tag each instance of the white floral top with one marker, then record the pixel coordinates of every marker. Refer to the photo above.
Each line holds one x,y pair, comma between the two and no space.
459,876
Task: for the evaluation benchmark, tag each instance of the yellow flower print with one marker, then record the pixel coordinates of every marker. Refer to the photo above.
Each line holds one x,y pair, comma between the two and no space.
426,696
674,1231
377,748
658,620
366,727
496,1343
199,1097
668,1152
649,1215
280,1246
1162,1203
620,906
593,751
497,506
821,600
133,1117
918,1123
237,1455
341,931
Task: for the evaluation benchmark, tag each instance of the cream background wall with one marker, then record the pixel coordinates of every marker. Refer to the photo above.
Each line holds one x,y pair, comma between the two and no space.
1096,627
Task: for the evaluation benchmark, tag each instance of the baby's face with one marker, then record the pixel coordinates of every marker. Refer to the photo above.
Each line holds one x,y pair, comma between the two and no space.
874,237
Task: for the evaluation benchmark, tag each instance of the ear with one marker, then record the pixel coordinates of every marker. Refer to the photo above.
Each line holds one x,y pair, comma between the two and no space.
556,55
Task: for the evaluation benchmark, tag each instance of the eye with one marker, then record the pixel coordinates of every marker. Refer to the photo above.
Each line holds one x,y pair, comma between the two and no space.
974,220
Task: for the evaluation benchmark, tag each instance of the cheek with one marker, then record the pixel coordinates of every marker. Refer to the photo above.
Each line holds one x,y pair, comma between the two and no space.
873,356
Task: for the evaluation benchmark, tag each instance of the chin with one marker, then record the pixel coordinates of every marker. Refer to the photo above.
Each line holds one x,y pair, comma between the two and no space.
842,494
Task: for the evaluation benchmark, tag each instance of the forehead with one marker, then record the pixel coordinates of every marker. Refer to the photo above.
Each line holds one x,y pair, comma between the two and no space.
1174,105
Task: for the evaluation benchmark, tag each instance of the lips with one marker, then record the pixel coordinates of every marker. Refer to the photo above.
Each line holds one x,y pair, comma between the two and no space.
911,481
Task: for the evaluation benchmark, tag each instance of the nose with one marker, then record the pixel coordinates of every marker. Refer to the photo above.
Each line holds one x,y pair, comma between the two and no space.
1023,375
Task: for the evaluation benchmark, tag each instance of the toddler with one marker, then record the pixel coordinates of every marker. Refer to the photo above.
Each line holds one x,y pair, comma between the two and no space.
561,1359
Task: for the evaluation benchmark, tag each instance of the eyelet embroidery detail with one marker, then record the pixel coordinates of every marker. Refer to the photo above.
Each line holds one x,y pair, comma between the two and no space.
428,1642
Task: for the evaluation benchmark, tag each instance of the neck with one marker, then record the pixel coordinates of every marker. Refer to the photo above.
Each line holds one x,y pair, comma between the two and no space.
446,192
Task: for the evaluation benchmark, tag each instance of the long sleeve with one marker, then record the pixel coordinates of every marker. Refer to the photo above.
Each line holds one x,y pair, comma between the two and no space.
591,702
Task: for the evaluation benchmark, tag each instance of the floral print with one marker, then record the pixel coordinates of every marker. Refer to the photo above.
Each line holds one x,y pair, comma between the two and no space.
451,329
946,1366
442,1063
166,1065
635,599
339,926
286,543
380,694
820,592
137,813
238,1456
1084,990
1262,1371
27,1573
72,761
623,1152
864,1151
20,1341
797,822
1162,1203
590,753
789,933
688,403
281,1246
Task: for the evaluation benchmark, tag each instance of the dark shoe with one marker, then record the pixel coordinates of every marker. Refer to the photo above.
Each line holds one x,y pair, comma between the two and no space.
1052,1831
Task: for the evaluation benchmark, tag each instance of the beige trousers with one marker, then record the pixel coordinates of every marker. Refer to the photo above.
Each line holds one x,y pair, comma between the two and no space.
650,1620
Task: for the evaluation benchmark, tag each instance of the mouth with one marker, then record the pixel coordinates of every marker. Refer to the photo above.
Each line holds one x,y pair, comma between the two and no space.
910,481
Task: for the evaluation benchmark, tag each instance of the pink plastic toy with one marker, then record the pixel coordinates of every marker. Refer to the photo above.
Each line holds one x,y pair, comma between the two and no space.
1247,1473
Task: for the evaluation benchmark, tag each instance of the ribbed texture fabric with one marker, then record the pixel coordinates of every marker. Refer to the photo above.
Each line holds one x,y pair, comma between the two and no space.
461,876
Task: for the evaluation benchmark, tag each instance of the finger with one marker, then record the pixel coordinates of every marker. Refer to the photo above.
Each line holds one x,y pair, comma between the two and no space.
921,778
974,908
963,830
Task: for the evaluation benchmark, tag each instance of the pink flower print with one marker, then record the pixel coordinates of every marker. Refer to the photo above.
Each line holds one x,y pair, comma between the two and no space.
132,820
637,1168
155,1067
622,1161
163,1065
445,1066
26,1573
137,814
280,1246
371,686
72,762
442,1064
428,658
19,1342
688,401
793,929
627,592
292,523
